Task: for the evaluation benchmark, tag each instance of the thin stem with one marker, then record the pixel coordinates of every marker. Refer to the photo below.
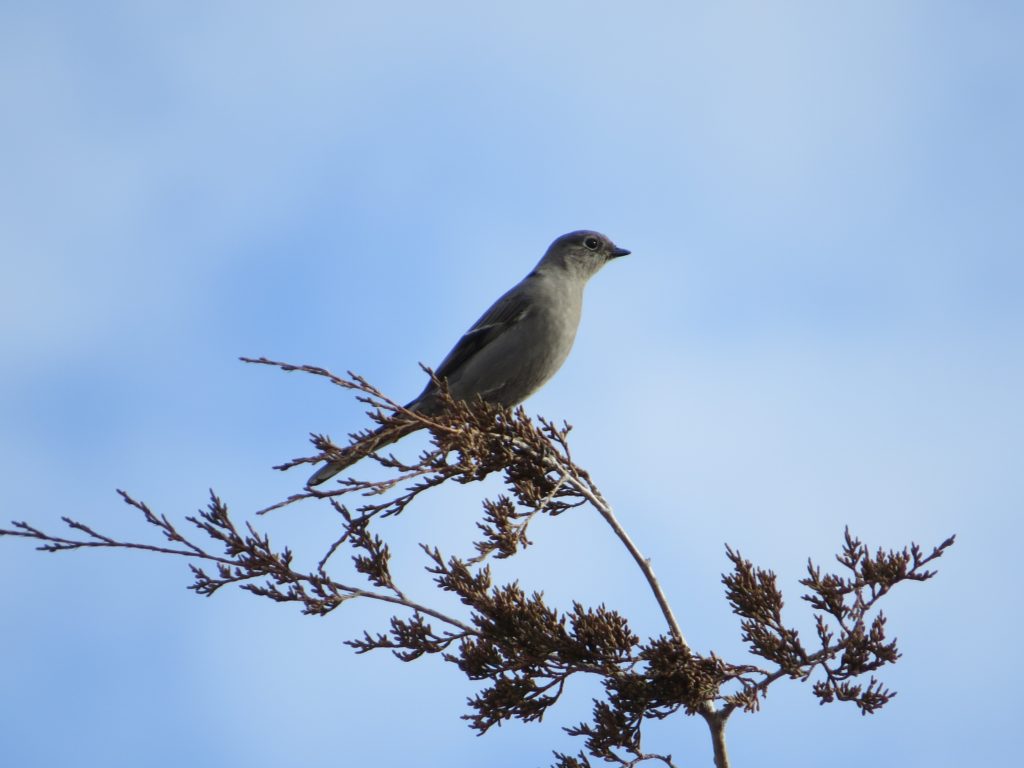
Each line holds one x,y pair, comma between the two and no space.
60,544
605,510
414,606
716,722
644,758
642,562
282,576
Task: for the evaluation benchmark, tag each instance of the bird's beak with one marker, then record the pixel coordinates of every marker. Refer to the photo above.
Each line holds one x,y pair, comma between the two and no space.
616,252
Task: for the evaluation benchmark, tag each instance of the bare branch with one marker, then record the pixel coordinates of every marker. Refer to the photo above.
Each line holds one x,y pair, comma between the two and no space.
522,651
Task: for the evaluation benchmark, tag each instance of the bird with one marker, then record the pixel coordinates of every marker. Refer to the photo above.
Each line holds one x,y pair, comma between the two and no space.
515,346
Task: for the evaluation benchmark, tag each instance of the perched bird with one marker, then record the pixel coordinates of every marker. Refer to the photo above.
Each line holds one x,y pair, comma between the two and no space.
515,347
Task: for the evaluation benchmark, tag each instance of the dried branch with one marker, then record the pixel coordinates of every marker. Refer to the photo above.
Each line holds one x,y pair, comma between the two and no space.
522,651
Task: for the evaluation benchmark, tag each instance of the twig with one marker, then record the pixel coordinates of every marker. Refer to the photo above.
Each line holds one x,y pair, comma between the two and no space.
586,489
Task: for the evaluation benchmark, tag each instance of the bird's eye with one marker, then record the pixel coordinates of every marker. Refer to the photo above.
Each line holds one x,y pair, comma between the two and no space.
592,243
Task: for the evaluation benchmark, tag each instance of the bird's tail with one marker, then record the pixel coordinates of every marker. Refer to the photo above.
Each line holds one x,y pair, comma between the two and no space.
379,438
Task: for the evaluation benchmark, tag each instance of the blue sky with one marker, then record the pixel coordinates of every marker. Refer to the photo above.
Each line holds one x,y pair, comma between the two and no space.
821,325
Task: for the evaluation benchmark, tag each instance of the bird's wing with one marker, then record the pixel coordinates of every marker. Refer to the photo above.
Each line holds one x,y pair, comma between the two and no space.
506,312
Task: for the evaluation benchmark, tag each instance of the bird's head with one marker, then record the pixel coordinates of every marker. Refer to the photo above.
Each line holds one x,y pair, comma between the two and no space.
582,252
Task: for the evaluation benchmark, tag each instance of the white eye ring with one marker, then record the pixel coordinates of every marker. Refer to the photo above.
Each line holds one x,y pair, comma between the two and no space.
592,243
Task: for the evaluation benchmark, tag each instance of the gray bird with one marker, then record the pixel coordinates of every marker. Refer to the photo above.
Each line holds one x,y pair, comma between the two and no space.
518,344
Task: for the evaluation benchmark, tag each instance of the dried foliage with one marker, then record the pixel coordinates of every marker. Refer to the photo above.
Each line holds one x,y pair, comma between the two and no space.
520,649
